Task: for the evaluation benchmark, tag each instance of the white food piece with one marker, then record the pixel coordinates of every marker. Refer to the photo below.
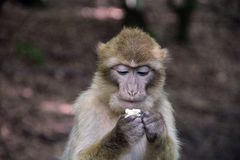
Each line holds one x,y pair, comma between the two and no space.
130,112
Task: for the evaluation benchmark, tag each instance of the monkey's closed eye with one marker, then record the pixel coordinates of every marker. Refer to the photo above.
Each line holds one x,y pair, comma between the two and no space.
121,69
143,71
123,72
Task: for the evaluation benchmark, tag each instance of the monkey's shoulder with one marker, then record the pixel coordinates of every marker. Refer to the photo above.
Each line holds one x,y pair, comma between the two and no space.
90,108
86,101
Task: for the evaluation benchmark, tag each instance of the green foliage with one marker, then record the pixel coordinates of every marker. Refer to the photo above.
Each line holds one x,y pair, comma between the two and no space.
31,53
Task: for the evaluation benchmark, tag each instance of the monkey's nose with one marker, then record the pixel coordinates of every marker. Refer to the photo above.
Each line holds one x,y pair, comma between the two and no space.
132,92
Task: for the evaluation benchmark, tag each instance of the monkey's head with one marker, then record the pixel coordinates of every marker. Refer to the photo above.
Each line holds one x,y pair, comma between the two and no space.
131,69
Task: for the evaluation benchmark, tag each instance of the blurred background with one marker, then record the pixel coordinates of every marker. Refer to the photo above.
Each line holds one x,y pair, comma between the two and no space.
48,55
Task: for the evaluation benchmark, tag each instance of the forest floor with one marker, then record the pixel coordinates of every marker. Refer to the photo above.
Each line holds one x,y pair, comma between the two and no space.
203,77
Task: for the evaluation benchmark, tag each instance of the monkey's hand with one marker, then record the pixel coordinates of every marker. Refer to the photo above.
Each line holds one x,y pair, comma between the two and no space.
160,144
130,128
155,127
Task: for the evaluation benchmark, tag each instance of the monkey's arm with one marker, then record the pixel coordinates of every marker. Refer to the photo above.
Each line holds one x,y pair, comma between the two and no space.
128,131
108,148
93,137
163,150
161,134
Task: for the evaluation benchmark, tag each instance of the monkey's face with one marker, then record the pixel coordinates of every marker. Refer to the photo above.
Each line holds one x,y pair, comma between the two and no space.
132,82
132,85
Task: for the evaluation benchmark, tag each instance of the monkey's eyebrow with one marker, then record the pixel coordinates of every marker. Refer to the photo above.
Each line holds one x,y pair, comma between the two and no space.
111,62
121,68
143,68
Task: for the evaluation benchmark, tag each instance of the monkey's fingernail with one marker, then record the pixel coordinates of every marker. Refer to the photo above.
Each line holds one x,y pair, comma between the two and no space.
144,120
146,114
141,113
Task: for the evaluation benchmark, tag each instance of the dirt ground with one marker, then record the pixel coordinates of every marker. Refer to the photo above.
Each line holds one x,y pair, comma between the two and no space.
203,77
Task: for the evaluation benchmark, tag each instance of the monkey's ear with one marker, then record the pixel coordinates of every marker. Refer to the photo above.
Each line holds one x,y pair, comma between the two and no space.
161,57
160,53
100,47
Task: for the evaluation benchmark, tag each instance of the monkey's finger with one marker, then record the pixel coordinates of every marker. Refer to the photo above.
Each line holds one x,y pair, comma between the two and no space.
151,133
150,114
137,133
133,124
138,129
150,126
146,114
138,120
151,137
154,127
129,118
148,120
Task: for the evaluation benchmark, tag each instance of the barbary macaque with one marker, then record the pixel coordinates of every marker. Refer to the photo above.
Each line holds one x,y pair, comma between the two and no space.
130,75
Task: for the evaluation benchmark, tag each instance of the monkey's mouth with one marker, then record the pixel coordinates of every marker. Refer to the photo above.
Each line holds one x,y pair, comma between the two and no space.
132,101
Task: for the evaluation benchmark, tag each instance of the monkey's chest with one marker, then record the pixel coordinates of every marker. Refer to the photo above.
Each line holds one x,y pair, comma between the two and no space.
137,152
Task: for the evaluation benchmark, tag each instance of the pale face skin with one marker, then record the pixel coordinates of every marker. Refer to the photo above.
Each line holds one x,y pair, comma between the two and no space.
132,82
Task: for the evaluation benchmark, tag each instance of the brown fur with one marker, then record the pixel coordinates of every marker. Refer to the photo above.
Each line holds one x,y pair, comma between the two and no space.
92,136
131,44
